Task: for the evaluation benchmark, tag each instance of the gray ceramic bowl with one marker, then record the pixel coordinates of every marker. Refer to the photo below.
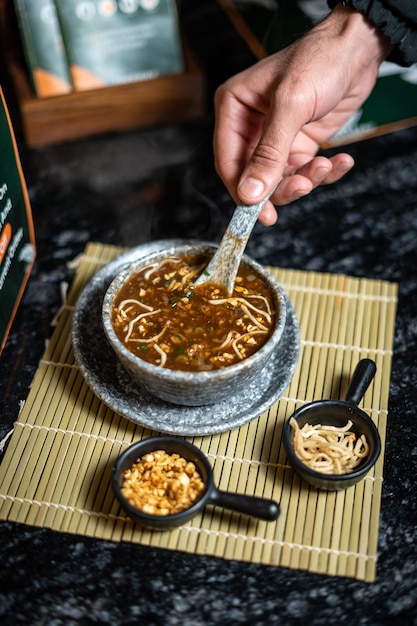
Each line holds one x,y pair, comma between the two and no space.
193,388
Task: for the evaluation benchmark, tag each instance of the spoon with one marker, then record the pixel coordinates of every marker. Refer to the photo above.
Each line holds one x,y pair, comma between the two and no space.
224,265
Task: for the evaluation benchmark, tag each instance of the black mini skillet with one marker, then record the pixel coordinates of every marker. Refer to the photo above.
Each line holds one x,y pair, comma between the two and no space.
254,506
338,413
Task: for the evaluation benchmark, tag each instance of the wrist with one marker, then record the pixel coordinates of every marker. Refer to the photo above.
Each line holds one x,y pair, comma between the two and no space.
361,40
359,33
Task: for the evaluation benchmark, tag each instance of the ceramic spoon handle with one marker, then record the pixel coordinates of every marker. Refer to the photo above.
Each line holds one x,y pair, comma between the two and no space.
224,265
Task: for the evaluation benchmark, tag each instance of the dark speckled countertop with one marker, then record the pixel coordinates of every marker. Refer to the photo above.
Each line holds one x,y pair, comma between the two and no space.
126,189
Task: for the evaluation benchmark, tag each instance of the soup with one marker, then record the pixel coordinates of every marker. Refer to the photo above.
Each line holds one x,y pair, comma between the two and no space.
163,318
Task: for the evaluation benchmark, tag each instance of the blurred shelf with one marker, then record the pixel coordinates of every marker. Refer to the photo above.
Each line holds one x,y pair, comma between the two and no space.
45,121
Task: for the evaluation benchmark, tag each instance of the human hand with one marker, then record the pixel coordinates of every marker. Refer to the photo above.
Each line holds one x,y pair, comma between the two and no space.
272,118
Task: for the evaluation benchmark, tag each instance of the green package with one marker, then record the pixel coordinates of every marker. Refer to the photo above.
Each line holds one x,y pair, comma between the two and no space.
17,240
43,47
111,42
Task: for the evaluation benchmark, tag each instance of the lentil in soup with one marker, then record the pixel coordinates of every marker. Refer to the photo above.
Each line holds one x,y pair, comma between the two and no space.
163,318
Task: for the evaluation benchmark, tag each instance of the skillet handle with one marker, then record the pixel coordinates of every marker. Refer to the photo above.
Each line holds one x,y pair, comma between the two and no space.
249,505
361,379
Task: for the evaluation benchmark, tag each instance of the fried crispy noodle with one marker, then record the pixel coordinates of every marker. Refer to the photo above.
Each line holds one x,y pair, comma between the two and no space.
132,323
245,305
264,300
235,343
154,266
150,339
329,449
134,302
227,341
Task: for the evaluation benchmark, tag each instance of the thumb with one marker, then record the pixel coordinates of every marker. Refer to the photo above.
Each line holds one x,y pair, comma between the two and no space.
267,163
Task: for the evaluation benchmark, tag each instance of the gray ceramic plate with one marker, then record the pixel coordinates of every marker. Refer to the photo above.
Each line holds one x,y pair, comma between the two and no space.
108,379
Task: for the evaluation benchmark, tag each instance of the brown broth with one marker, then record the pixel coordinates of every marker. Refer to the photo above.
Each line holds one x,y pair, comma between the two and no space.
161,317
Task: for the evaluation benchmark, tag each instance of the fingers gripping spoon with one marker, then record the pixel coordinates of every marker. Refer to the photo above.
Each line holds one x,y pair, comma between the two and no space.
224,265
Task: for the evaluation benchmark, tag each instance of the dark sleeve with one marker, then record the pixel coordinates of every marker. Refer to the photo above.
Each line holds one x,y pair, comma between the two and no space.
396,19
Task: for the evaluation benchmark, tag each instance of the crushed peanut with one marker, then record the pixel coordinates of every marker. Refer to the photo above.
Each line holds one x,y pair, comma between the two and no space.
162,484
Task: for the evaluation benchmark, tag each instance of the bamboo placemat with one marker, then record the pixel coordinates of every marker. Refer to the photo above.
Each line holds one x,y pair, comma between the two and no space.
57,467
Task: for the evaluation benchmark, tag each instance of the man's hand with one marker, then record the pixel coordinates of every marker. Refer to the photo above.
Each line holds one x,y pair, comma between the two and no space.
272,118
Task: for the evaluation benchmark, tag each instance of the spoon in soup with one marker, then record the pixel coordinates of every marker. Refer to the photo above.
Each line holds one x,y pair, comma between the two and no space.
223,267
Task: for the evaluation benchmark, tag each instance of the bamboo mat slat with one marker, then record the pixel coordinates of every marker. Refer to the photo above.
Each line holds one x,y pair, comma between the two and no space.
57,467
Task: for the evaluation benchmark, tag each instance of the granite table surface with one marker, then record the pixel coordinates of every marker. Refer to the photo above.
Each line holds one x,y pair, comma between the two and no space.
130,188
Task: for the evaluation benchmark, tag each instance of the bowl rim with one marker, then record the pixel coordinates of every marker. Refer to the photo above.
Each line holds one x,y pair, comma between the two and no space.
305,471
181,375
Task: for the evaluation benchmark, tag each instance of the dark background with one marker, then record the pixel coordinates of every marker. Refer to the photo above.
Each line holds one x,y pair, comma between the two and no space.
130,188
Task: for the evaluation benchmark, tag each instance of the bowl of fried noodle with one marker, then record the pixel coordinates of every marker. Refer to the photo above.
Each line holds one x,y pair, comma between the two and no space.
333,444
186,344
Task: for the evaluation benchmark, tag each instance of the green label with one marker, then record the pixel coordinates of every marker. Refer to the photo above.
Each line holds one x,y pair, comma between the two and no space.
17,247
